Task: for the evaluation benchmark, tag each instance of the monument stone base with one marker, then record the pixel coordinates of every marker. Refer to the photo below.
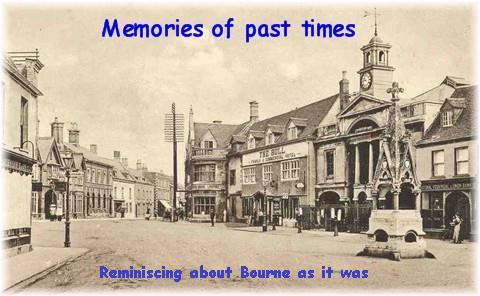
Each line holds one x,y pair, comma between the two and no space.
396,234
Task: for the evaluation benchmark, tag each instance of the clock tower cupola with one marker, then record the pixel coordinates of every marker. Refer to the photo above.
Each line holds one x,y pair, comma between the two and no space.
376,75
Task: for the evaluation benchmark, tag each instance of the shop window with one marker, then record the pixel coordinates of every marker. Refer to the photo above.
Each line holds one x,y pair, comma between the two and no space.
461,161
438,163
290,169
204,172
203,204
249,175
267,172
330,163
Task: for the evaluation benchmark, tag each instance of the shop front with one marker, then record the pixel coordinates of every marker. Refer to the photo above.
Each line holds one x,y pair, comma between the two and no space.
442,199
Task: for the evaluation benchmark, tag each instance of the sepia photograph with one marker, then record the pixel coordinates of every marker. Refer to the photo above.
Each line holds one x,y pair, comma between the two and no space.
239,147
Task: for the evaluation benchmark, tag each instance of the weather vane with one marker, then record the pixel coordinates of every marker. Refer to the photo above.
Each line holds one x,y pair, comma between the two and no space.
367,14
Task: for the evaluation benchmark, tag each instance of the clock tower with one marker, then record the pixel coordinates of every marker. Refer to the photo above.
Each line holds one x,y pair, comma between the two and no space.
376,76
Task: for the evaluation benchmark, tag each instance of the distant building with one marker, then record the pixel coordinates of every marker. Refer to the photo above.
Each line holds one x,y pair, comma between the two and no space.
123,187
447,166
163,190
143,195
20,132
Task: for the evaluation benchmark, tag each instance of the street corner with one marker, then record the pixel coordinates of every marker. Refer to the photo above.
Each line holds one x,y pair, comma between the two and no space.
25,269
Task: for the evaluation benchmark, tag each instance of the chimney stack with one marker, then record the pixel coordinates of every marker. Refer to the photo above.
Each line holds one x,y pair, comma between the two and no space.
74,134
116,155
139,164
93,148
57,130
253,111
344,91
125,162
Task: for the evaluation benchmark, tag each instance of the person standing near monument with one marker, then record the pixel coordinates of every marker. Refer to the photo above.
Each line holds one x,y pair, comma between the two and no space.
457,221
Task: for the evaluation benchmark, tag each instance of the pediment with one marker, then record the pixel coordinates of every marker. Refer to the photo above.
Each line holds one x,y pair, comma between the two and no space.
363,103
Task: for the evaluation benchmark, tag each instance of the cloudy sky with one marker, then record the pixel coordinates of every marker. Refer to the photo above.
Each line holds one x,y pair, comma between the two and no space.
118,90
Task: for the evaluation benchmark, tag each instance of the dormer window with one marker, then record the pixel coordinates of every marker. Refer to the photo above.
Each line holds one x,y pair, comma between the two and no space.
251,142
447,118
292,131
270,138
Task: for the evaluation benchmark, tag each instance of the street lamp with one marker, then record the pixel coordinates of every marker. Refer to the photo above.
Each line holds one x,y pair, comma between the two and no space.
68,163
264,227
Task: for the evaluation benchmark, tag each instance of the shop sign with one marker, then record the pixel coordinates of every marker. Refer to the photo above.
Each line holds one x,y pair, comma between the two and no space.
292,151
36,186
448,186
61,186
277,211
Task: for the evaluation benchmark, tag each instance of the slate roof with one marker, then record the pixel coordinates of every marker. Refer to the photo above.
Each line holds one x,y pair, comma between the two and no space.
439,93
221,132
462,127
308,117
119,171
87,154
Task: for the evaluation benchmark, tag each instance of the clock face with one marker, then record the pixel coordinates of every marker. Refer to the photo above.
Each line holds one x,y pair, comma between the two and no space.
366,80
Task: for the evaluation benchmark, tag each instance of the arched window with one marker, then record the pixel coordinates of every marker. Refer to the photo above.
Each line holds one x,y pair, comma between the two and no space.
368,57
381,57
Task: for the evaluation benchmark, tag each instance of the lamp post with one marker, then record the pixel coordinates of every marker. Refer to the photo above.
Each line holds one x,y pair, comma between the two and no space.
68,162
264,227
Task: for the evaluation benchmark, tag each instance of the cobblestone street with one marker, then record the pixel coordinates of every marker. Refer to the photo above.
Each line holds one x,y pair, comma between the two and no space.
119,244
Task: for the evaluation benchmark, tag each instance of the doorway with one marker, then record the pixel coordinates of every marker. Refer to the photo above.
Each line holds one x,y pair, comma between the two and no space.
458,202
50,198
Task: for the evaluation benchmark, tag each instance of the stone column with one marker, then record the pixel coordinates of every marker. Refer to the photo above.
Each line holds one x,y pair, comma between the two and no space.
396,202
357,165
370,162
374,199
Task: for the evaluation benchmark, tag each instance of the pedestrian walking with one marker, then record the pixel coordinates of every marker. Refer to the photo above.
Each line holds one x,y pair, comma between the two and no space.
457,221
212,216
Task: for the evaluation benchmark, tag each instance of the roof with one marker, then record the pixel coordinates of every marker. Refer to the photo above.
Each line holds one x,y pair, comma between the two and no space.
88,155
119,171
221,132
462,126
44,145
439,93
308,116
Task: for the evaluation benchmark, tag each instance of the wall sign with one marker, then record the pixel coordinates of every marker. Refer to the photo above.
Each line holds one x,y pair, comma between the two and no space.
291,151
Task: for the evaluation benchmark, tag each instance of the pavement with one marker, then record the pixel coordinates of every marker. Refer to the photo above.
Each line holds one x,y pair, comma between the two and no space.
24,269
119,244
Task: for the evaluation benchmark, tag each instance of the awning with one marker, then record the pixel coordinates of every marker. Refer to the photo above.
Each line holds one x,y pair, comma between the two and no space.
165,204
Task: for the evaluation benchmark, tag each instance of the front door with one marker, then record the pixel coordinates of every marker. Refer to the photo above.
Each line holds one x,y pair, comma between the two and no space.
50,198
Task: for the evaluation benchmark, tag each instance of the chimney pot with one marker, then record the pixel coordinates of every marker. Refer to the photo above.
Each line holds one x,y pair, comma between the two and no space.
93,148
344,91
57,130
116,155
125,162
253,111
74,134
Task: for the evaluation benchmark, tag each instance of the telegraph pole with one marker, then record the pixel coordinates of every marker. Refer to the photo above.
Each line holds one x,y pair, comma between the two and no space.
174,133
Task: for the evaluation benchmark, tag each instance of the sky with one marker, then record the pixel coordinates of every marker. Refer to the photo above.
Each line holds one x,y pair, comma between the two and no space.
117,90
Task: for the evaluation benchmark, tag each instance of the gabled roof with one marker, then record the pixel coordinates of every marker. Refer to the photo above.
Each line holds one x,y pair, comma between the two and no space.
462,127
439,93
88,155
120,171
46,146
309,115
221,132
301,122
358,100
238,139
